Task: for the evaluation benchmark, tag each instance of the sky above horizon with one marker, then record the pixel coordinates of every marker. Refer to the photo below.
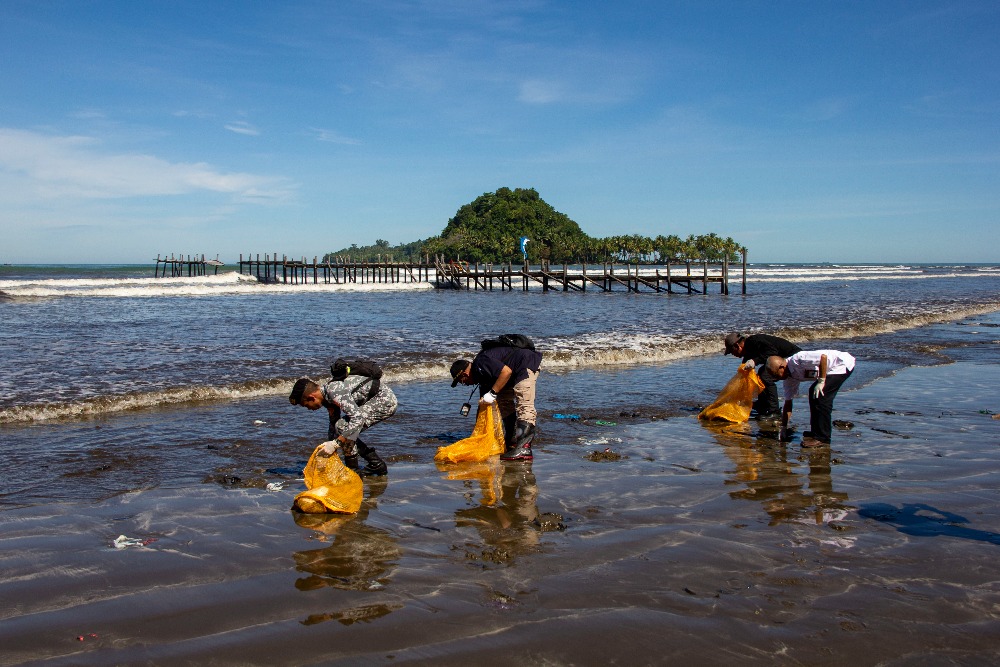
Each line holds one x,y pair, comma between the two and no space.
807,131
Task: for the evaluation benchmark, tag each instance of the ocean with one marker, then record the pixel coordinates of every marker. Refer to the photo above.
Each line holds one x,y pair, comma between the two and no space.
87,348
157,408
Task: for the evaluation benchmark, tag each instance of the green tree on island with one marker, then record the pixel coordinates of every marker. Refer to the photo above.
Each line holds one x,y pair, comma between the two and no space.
489,229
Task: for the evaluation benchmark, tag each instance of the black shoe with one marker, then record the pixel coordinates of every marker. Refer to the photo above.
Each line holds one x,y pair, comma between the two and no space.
374,470
522,453
376,466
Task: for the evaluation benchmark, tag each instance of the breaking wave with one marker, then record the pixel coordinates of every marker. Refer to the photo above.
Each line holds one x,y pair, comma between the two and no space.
561,354
230,283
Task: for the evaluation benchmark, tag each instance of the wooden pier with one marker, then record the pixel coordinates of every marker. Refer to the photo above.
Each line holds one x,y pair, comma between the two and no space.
180,266
668,278
608,277
270,269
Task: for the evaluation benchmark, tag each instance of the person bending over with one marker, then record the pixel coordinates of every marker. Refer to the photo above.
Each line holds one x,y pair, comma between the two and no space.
352,411
508,376
828,370
755,351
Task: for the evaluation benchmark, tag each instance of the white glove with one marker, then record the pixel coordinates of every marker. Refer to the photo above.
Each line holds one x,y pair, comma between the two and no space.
489,397
818,387
329,448
749,364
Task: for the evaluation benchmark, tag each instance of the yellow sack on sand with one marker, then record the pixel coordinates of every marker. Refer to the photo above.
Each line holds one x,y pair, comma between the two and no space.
332,486
736,398
486,439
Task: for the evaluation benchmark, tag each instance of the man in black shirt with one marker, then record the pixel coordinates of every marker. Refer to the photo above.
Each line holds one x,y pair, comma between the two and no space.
506,375
755,350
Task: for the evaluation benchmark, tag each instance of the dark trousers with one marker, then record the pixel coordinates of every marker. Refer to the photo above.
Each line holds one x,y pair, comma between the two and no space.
821,409
767,400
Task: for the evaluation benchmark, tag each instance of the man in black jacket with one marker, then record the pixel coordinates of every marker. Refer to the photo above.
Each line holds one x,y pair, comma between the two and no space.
506,375
755,350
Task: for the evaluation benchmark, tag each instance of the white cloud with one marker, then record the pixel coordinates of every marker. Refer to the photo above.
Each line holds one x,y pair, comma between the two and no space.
333,137
75,166
188,113
242,127
537,91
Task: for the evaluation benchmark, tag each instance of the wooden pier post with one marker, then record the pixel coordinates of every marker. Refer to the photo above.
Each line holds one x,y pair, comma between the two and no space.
744,270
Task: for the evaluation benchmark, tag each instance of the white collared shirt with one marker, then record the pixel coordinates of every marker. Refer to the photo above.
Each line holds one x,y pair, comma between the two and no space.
805,366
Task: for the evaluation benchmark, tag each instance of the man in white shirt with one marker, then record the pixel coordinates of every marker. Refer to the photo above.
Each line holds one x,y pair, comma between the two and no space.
827,369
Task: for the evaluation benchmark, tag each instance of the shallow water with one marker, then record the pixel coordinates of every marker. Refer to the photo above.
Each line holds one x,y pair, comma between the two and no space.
694,542
703,543
134,343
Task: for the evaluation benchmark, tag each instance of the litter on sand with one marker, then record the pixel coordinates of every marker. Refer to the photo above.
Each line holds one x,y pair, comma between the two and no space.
562,416
123,542
604,422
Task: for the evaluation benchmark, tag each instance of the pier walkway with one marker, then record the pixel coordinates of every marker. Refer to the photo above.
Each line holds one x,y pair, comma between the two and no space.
179,266
668,278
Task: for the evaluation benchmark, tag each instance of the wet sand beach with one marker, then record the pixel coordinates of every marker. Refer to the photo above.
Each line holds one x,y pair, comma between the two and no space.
678,542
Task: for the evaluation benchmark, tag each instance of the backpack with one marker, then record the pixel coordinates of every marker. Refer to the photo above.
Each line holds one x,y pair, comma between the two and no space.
341,368
509,340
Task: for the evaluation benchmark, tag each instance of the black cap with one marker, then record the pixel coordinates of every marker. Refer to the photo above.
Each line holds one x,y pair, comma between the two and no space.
730,341
457,368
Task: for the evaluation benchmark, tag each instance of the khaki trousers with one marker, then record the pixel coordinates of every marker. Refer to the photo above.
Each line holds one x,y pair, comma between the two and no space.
520,399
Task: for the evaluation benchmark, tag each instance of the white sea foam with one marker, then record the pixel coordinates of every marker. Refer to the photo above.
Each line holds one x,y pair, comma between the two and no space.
561,354
230,283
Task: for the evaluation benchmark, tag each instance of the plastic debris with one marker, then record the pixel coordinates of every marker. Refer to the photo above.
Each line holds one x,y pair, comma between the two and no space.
123,542
562,416
275,486
603,422
259,422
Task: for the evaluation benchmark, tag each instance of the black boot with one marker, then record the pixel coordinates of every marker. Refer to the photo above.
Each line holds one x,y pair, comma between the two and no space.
376,466
351,462
520,448
509,429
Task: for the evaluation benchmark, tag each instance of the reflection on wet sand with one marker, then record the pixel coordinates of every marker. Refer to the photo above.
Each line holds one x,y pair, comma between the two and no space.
769,477
507,517
487,473
360,557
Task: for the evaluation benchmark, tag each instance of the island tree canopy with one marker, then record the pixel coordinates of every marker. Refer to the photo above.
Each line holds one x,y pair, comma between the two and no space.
489,230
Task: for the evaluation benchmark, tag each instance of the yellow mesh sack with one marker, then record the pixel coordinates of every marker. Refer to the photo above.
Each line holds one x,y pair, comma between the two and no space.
736,398
331,486
486,439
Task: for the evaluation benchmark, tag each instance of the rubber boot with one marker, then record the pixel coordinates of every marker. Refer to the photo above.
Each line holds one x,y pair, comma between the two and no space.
351,462
509,429
376,466
520,448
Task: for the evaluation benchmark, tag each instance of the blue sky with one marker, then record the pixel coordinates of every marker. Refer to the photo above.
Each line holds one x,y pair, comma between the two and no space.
809,131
